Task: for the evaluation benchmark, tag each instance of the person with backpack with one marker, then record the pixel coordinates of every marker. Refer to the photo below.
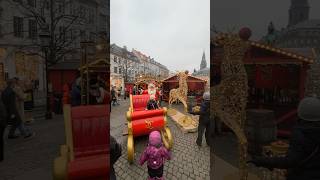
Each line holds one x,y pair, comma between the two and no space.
115,153
303,157
3,125
204,120
152,103
155,155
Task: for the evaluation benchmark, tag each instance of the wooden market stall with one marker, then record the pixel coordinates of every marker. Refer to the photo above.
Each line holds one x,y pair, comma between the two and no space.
196,86
87,126
142,81
276,79
91,67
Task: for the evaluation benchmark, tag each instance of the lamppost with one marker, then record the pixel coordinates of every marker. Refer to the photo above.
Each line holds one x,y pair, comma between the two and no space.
45,39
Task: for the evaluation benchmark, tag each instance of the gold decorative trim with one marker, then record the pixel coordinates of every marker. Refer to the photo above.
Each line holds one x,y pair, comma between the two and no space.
130,148
130,128
131,103
165,110
129,115
219,40
165,121
68,129
167,138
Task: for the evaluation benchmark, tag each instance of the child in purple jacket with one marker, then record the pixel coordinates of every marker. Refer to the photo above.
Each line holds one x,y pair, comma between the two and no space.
155,154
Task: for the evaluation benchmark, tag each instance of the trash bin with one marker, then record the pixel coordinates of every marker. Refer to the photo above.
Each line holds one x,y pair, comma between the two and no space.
57,103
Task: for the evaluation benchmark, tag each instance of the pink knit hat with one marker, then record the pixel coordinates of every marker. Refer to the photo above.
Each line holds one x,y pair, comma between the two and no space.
155,138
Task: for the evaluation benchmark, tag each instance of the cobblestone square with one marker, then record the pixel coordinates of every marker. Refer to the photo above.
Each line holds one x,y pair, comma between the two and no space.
188,160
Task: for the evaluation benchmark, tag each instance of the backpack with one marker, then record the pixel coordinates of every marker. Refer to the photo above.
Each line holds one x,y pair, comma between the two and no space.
155,158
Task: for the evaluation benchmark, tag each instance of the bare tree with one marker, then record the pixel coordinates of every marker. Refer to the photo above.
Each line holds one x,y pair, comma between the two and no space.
53,17
127,65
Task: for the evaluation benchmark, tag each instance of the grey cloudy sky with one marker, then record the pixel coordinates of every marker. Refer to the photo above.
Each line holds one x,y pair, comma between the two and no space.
255,14
174,32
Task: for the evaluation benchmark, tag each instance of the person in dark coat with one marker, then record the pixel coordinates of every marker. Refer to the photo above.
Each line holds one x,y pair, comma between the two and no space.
76,93
113,96
3,125
115,153
9,100
204,120
303,157
152,103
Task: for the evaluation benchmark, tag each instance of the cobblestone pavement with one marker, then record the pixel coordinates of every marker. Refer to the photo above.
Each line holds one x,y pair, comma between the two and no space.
33,158
189,161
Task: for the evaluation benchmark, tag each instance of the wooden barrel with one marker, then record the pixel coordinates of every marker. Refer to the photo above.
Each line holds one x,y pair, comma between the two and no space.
260,129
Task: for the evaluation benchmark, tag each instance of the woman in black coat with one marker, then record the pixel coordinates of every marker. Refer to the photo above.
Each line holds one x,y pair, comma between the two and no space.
115,153
303,156
3,124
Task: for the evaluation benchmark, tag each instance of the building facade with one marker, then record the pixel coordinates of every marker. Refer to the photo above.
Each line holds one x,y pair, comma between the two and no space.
20,49
301,31
148,66
127,66
124,66
204,70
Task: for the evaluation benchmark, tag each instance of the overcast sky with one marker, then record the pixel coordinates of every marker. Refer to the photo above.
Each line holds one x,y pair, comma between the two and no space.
173,32
255,14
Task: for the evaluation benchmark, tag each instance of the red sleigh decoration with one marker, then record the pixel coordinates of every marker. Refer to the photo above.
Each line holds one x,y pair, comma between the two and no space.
142,122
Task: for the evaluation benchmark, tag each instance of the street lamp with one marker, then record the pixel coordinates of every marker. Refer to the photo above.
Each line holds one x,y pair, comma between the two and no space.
45,39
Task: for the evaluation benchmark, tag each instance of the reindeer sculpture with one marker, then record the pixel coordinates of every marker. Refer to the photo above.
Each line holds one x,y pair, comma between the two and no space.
181,92
229,98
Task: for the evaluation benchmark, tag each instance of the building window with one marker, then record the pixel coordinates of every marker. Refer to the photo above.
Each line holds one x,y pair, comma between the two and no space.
120,70
18,1
32,29
92,36
115,70
115,59
18,26
83,35
32,3
61,8
62,33
91,17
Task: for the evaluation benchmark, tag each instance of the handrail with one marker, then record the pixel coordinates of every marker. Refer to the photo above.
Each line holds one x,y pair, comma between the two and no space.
287,116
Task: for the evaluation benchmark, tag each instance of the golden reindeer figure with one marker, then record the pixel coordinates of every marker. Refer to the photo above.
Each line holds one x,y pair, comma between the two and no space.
229,98
181,92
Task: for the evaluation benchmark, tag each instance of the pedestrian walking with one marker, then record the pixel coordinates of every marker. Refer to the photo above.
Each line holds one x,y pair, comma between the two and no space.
114,96
76,92
125,93
204,120
115,153
155,155
101,99
134,90
303,156
3,124
20,99
9,100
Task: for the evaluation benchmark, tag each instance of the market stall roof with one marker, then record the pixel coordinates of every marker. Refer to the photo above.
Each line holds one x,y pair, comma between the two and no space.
99,65
174,78
306,55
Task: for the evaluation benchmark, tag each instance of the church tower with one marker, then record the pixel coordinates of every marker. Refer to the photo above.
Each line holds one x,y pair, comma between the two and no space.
203,61
298,12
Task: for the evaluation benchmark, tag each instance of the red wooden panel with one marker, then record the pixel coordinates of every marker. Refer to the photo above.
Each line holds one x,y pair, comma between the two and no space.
147,125
90,129
93,168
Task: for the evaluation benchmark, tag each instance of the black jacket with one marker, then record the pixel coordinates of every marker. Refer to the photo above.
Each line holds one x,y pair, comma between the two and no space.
3,114
304,141
204,112
9,100
115,153
152,104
